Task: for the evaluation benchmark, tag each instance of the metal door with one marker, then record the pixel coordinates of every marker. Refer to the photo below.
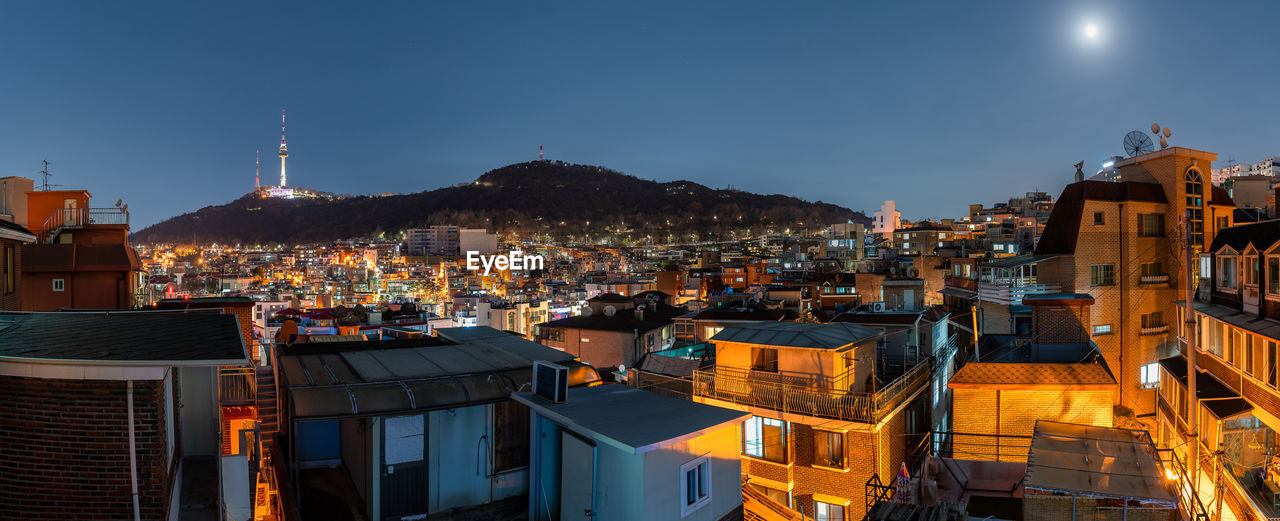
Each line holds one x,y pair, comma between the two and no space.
404,469
577,479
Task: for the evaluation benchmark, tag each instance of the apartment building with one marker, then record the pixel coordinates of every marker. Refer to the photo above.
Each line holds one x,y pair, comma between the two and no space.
82,257
826,416
1238,398
1119,242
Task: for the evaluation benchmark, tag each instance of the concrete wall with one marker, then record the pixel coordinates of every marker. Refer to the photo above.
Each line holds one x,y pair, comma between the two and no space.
663,480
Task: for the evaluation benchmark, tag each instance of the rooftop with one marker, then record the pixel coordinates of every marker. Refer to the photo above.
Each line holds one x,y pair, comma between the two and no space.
1020,375
798,334
632,419
137,338
1097,461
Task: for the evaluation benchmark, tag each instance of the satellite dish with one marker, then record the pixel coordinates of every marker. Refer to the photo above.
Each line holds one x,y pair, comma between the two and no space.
1137,143
1155,128
586,312
1164,143
610,310
1167,132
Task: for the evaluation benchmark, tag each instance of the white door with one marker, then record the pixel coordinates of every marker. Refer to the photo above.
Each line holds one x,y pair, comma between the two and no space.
69,212
577,478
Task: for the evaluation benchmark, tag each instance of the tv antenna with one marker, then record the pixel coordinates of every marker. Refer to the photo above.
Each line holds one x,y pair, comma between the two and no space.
44,185
1164,140
1137,143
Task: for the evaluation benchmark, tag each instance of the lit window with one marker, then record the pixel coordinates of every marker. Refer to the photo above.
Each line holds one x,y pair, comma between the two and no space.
765,438
1150,376
828,449
828,512
1102,329
697,485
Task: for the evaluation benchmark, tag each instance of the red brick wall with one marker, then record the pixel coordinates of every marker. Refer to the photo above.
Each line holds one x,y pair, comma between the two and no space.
64,450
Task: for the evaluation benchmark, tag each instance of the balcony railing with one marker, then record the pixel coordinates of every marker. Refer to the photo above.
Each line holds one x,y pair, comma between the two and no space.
1153,279
834,402
1154,330
1011,292
237,386
73,218
964,283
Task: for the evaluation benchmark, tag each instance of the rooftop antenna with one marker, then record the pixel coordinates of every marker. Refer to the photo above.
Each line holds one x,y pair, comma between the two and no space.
44,186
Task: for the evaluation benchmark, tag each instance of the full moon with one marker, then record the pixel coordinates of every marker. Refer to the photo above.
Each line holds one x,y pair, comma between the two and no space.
1091,31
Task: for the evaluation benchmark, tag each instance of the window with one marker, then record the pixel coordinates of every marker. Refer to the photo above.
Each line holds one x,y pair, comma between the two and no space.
1098,219
1152,269
1248,354
1102,329
1195,201
59,284
1102,275
1150,376
781,496
828,449
712,331
764,359
1223,222
1153,320
650,339
1271,364
10,270
765,438
510,435
827,512
1273,275
697,485
1151,225
1227,272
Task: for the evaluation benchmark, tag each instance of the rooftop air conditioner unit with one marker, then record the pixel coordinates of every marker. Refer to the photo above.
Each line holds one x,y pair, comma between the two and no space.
550,381
877,307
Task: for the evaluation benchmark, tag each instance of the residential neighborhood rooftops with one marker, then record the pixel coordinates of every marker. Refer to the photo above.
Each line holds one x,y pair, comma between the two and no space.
1261,235
632,419
122,338
798,334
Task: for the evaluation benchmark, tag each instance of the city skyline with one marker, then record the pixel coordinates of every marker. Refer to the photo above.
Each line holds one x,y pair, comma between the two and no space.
826,103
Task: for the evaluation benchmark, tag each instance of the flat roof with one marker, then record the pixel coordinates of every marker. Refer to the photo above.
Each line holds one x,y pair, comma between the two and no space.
379,377
133,338
632,419
1099,461
798,334
990,375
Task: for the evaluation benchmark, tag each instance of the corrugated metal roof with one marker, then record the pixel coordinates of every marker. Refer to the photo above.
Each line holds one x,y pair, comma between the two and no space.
1100,461
1015,261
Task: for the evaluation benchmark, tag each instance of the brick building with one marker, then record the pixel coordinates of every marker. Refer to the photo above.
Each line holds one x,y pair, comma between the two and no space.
1118,241
90,404
1061,377
824,420
82,258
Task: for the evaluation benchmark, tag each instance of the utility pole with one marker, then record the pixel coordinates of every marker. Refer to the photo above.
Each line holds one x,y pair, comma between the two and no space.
1189,335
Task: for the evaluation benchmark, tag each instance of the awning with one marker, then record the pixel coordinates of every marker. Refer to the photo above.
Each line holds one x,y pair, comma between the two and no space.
403,397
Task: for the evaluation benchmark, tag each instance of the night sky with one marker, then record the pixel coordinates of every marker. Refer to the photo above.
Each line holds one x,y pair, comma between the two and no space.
936,106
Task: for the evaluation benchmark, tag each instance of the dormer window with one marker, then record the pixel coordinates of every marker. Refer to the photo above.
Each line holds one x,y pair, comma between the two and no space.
1227,272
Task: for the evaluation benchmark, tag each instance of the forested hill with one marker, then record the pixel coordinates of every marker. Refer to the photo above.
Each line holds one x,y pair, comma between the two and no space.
551,197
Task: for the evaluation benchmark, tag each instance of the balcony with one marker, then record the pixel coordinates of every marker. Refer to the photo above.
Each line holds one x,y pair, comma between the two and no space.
1010,291
962,283
237,386
816,396
1154,330
1153,279
76,218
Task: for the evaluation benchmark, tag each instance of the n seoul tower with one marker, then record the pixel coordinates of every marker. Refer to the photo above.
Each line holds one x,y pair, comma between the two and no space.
284,150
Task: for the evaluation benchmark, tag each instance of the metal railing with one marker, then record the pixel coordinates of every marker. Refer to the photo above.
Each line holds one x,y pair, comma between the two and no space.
237,385
73,218
1012,293
1154,330
1153,279
752,388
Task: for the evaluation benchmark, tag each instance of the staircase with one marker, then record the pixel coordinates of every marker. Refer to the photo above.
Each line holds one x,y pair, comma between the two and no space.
268,406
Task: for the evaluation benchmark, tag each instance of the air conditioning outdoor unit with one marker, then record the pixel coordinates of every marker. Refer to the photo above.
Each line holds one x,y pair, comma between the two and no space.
550,381
877,306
